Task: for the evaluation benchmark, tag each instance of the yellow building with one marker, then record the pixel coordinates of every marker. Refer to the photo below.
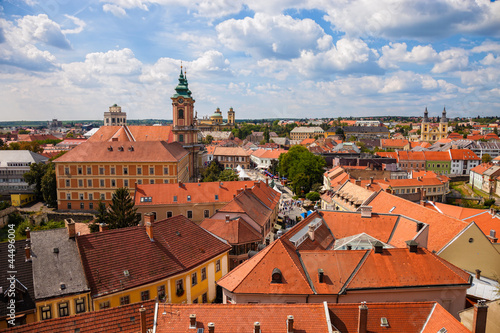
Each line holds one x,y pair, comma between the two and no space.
432,132
216,122
173,260
19,200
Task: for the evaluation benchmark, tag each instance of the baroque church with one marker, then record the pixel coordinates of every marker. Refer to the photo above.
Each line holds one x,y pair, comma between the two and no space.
432,132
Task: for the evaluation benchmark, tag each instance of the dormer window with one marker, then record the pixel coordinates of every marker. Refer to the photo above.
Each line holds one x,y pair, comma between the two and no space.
276,277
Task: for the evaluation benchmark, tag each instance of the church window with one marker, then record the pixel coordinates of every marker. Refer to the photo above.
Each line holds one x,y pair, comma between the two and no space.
180,114
181,138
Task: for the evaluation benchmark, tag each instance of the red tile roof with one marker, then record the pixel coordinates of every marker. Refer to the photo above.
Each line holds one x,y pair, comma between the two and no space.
179,245
481,168
235,231
463,154
230,151
267,153
400,143
199,192
119,319
442,229
156,151
133,133
440,318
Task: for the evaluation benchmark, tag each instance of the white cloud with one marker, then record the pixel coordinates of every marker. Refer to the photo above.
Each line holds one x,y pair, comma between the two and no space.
490,60
114,9
33,29
102,67
451,60
423,19
80,24
487,46
197,40
408,82
396,53
266,36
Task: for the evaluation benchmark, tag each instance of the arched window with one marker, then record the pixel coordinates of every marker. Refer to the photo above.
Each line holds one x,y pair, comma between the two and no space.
180,114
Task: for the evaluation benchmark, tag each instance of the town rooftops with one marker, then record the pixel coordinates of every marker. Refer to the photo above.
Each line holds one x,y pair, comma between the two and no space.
141,151
230,151
268,153
179,245
7,157
133,133
234,231
305,129
57,269
481,168
463,154
181,193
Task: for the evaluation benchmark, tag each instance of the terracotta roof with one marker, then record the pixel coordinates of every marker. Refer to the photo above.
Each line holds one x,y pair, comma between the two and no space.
155,151
392,154
133,133
437,155
230,151
442,229
163,194
307,141
385,270
35,137
457,212
393,143
440,318
267,153
254,275
119,319
486,222
481,168
234,231
463,154
230,318
179,246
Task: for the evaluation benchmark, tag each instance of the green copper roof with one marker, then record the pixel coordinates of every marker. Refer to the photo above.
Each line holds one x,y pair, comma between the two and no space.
182,88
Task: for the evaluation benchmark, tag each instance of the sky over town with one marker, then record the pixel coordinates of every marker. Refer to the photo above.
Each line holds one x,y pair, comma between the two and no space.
71,60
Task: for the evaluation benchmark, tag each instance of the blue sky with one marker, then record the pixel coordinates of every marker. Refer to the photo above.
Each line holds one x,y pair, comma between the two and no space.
267,59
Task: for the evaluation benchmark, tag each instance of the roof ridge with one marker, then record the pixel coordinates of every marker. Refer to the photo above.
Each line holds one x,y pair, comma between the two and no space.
306,280
444,262
355,272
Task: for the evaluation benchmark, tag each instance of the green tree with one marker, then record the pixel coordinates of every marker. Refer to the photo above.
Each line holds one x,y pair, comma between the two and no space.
102,214
313,196
228,175
212,172
266,134
34,177
122,212
302,168
209,139
49,186
486,158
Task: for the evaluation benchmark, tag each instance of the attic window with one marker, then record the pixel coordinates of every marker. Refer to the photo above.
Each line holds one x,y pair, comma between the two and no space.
110,148
131,148
146,199
189,198
276,277
120,148
443,330
126,273
175,198
390,211
216,197
56,250
384,322
63,286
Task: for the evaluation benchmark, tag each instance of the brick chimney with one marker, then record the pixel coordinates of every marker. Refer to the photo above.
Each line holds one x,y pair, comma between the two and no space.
256,327
412,245
492,236
211,328
149,230
267,180
311,232
103,227
478,274
321,275
363,318
379,247
28,234
71,226
289,324
479,321
238,191
358,181
366,211
227,218
192,320
257,183
149,217
142,312
27,253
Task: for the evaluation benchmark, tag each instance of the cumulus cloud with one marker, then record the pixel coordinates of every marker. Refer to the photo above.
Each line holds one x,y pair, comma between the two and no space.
76,21
396,53
487,46
423,19
268,36
100,67
451,60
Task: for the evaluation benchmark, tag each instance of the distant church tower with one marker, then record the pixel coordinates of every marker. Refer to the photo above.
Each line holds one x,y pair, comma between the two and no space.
230,116
115,116
433,132
184,122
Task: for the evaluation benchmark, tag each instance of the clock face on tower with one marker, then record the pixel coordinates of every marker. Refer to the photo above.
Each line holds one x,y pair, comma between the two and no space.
180,100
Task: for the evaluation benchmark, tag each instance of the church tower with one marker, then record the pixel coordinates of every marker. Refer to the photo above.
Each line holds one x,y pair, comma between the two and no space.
444,124
230,116
184,123
115,116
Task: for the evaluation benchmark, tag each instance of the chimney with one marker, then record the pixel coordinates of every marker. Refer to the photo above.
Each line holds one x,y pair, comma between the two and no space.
311,232
245,186
256,327
257,183
28,234
142,312
103,227
289,324
479,321
492,211
70,225
149,230
379,247
385,179
267,180
227,218
27,252
366,211
180,184
492,236
149,217
192,320
420,225
412,245
238,191
321,275
363,318
211,328
371,180
358,182
478,274
349,247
